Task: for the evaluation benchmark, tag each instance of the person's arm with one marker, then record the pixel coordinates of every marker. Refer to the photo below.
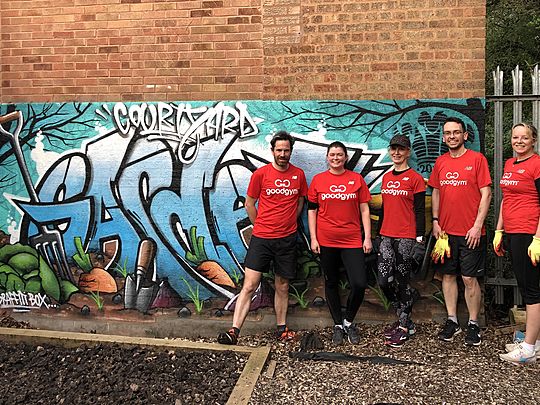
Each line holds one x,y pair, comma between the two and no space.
251,208
420,213
435,213
473,235
366,224
312,223
500,222
300,206
537,184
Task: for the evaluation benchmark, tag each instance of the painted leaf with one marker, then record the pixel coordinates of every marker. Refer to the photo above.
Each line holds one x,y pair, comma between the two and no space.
30,275
3,279
33,285
7,251
49,282
7,269
14,283
67,288
23,262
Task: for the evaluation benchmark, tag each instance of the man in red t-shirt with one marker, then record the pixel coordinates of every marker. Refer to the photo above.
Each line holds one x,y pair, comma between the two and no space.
280,189
460,202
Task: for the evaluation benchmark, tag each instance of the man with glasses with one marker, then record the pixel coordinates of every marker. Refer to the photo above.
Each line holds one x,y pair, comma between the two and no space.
460,201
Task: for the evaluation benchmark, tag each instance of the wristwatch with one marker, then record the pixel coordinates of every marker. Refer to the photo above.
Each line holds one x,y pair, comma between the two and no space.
420,239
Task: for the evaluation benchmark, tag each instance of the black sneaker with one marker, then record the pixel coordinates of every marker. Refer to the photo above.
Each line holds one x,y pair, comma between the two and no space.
352,334
228,338
337,335
472,338
450,330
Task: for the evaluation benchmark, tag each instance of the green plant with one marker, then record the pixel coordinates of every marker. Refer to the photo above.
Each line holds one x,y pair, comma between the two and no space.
438,295
81,257
236,276
380,294
343,284
269,275
300,297
97,299
122,270
193,294
382,297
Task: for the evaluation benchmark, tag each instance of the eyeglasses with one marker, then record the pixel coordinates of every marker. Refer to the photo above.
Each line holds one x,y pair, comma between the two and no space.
456,132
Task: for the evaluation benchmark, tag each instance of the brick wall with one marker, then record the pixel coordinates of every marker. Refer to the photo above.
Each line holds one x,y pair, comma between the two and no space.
134,50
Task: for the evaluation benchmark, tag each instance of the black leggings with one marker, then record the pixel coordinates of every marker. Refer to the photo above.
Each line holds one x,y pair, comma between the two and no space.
353,261
395,263
527,275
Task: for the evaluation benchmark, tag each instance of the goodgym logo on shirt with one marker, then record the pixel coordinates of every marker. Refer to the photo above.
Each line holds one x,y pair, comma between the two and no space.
392,188
282,187
338,192
505,181
452,179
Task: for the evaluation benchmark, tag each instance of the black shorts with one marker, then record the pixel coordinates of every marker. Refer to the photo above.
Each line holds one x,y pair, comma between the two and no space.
281,251
465,261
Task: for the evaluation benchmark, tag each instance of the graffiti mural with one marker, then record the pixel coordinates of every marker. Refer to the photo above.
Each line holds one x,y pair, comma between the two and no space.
145,201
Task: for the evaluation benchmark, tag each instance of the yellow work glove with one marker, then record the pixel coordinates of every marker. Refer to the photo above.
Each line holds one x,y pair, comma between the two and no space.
497,242
441,248
534,251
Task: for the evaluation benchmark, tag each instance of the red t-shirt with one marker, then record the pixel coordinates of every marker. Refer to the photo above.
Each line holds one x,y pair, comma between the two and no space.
338,217
521,209
459,181
278,193
398,203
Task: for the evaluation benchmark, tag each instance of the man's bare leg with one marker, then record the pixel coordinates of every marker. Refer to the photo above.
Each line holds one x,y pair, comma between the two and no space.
281,299
252,279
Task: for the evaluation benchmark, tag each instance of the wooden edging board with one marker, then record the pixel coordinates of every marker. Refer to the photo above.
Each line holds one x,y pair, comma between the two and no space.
241,392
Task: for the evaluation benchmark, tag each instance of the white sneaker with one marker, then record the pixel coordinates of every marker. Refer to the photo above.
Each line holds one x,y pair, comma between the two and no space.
518,356
513,346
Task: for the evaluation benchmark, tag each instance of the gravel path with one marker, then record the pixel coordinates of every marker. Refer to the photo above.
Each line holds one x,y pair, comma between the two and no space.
445,373
448,373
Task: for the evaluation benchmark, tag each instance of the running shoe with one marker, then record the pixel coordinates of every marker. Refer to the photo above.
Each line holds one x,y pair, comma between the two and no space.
390,330
337,335
449,330
472,338
353,336
513,346
518,356
228,338
285,335
399,337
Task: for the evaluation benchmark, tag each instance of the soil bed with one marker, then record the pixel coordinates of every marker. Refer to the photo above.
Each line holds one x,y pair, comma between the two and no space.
115,374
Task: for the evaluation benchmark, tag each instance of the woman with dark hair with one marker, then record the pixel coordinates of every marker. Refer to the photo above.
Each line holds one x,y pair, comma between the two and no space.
337,210
519,218
402,231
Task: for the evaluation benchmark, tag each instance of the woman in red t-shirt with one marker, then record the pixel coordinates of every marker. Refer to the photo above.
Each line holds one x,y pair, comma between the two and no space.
402,231
519,217
337,210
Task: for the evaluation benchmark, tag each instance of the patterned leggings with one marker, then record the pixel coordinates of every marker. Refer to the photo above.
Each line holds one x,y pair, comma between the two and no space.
394,267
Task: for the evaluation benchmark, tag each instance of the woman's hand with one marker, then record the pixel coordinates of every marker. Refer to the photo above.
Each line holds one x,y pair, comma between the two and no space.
367,245
315,248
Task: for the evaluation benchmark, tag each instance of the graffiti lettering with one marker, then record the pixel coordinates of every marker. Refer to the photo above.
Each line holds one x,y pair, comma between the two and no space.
23,300
183,124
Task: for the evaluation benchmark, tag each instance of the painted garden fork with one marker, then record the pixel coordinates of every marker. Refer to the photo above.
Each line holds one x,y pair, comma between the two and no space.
48,242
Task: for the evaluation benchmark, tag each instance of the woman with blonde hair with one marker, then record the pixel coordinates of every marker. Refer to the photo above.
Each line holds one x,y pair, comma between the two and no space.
519,219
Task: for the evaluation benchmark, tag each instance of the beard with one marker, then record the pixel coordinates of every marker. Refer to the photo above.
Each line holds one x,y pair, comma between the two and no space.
281,162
